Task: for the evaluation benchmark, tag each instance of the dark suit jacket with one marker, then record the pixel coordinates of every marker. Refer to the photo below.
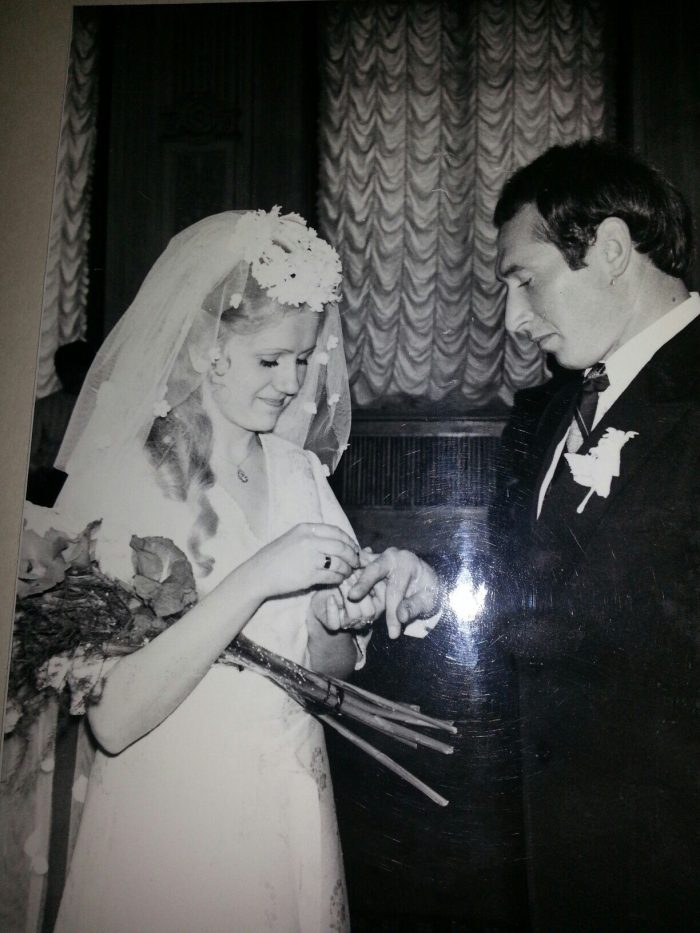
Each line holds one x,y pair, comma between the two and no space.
603,628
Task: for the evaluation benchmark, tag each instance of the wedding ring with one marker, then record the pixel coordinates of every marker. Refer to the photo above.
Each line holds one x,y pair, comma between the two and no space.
357,625
327,562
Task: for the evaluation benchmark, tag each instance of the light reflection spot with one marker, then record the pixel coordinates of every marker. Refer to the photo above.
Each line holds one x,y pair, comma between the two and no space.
467,600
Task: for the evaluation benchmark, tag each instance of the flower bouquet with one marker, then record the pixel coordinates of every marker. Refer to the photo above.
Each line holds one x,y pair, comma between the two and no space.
72,622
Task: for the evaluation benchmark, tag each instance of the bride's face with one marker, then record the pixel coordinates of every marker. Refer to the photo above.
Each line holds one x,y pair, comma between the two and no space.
260,373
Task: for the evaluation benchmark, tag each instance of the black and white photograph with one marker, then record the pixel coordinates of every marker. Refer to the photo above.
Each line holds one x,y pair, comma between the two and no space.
351,524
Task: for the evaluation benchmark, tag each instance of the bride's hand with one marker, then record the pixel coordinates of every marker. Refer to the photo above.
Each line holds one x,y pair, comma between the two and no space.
308,555
332,608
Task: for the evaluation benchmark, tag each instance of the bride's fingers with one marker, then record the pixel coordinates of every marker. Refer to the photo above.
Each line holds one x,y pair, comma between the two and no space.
337,548
333,621
332,532
328,578
340,566
336,563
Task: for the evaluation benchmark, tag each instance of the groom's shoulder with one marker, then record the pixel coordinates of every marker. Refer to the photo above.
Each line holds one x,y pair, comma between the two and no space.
673,370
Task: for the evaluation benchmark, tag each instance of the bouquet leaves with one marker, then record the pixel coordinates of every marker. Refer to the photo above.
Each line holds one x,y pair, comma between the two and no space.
72,621
163,577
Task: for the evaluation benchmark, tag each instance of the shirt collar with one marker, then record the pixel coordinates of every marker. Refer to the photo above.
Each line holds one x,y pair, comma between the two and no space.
628,360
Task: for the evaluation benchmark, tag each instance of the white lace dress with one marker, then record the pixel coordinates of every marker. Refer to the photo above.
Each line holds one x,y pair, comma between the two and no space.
222,818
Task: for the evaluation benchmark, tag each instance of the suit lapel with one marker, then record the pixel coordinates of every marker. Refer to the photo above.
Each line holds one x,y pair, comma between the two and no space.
652,405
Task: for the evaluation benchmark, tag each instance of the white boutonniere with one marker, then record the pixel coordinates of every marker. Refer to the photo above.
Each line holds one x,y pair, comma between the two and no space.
597,468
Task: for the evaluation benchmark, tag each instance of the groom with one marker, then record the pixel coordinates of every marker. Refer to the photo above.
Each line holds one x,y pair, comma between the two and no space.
599,612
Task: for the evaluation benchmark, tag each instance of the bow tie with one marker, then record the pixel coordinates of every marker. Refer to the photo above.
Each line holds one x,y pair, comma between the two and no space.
593,384
596,380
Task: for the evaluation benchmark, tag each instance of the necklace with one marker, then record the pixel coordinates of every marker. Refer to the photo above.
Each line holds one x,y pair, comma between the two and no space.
240,472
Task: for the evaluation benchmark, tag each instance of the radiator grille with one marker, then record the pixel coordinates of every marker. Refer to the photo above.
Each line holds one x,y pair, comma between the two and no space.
412,471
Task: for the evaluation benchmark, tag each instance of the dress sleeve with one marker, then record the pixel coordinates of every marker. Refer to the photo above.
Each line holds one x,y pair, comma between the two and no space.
331,509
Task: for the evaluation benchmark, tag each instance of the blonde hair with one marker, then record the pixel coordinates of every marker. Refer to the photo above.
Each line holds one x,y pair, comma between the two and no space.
179,445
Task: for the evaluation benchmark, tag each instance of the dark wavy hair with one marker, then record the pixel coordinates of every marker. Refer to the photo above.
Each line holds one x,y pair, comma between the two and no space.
576,187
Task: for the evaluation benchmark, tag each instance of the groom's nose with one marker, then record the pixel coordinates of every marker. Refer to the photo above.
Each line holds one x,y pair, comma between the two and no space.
518,313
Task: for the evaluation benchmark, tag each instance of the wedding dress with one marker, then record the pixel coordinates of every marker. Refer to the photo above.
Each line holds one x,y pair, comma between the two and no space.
222,818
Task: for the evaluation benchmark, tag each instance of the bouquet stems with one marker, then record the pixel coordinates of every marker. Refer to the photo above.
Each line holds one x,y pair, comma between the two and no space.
385,760
331,699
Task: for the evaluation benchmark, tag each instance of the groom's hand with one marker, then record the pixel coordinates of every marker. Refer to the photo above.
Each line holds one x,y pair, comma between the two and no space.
412,588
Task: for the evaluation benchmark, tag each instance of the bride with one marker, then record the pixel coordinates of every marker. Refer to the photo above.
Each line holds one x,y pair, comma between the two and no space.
209,805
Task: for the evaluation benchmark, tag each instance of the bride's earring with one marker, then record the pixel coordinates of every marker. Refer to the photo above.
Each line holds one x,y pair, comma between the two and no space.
219,366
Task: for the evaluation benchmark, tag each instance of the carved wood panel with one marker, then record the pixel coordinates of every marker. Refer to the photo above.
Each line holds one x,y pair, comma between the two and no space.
210,108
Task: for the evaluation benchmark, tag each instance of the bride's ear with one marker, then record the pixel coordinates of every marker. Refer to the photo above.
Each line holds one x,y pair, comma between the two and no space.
200,361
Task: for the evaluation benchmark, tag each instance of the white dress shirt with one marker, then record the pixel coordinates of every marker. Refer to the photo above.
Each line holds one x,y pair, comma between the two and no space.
627,362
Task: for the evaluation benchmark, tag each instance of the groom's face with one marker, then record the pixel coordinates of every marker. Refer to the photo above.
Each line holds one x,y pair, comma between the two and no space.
565,312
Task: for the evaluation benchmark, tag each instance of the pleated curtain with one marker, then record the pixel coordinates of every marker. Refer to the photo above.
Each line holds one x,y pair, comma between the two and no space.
66,281
426,109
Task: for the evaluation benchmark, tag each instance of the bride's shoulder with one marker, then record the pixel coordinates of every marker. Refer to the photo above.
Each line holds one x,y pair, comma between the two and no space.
276,444
290,457
282,449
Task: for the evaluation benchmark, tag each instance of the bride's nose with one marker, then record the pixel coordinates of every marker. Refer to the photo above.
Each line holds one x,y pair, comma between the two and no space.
287,377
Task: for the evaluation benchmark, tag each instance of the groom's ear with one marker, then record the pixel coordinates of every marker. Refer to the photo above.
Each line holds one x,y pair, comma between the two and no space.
613,247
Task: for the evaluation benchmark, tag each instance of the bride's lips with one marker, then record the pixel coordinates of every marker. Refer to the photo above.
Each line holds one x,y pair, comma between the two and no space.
272,402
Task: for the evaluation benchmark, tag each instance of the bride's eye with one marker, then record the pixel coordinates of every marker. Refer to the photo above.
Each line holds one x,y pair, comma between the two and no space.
303,361
268,363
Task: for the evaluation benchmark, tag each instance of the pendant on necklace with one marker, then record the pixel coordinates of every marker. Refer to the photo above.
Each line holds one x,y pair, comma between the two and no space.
242,475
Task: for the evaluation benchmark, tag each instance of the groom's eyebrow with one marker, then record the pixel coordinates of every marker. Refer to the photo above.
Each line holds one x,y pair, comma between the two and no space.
509,270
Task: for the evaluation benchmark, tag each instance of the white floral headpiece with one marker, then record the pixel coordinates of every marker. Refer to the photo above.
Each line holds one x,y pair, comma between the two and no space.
289,260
